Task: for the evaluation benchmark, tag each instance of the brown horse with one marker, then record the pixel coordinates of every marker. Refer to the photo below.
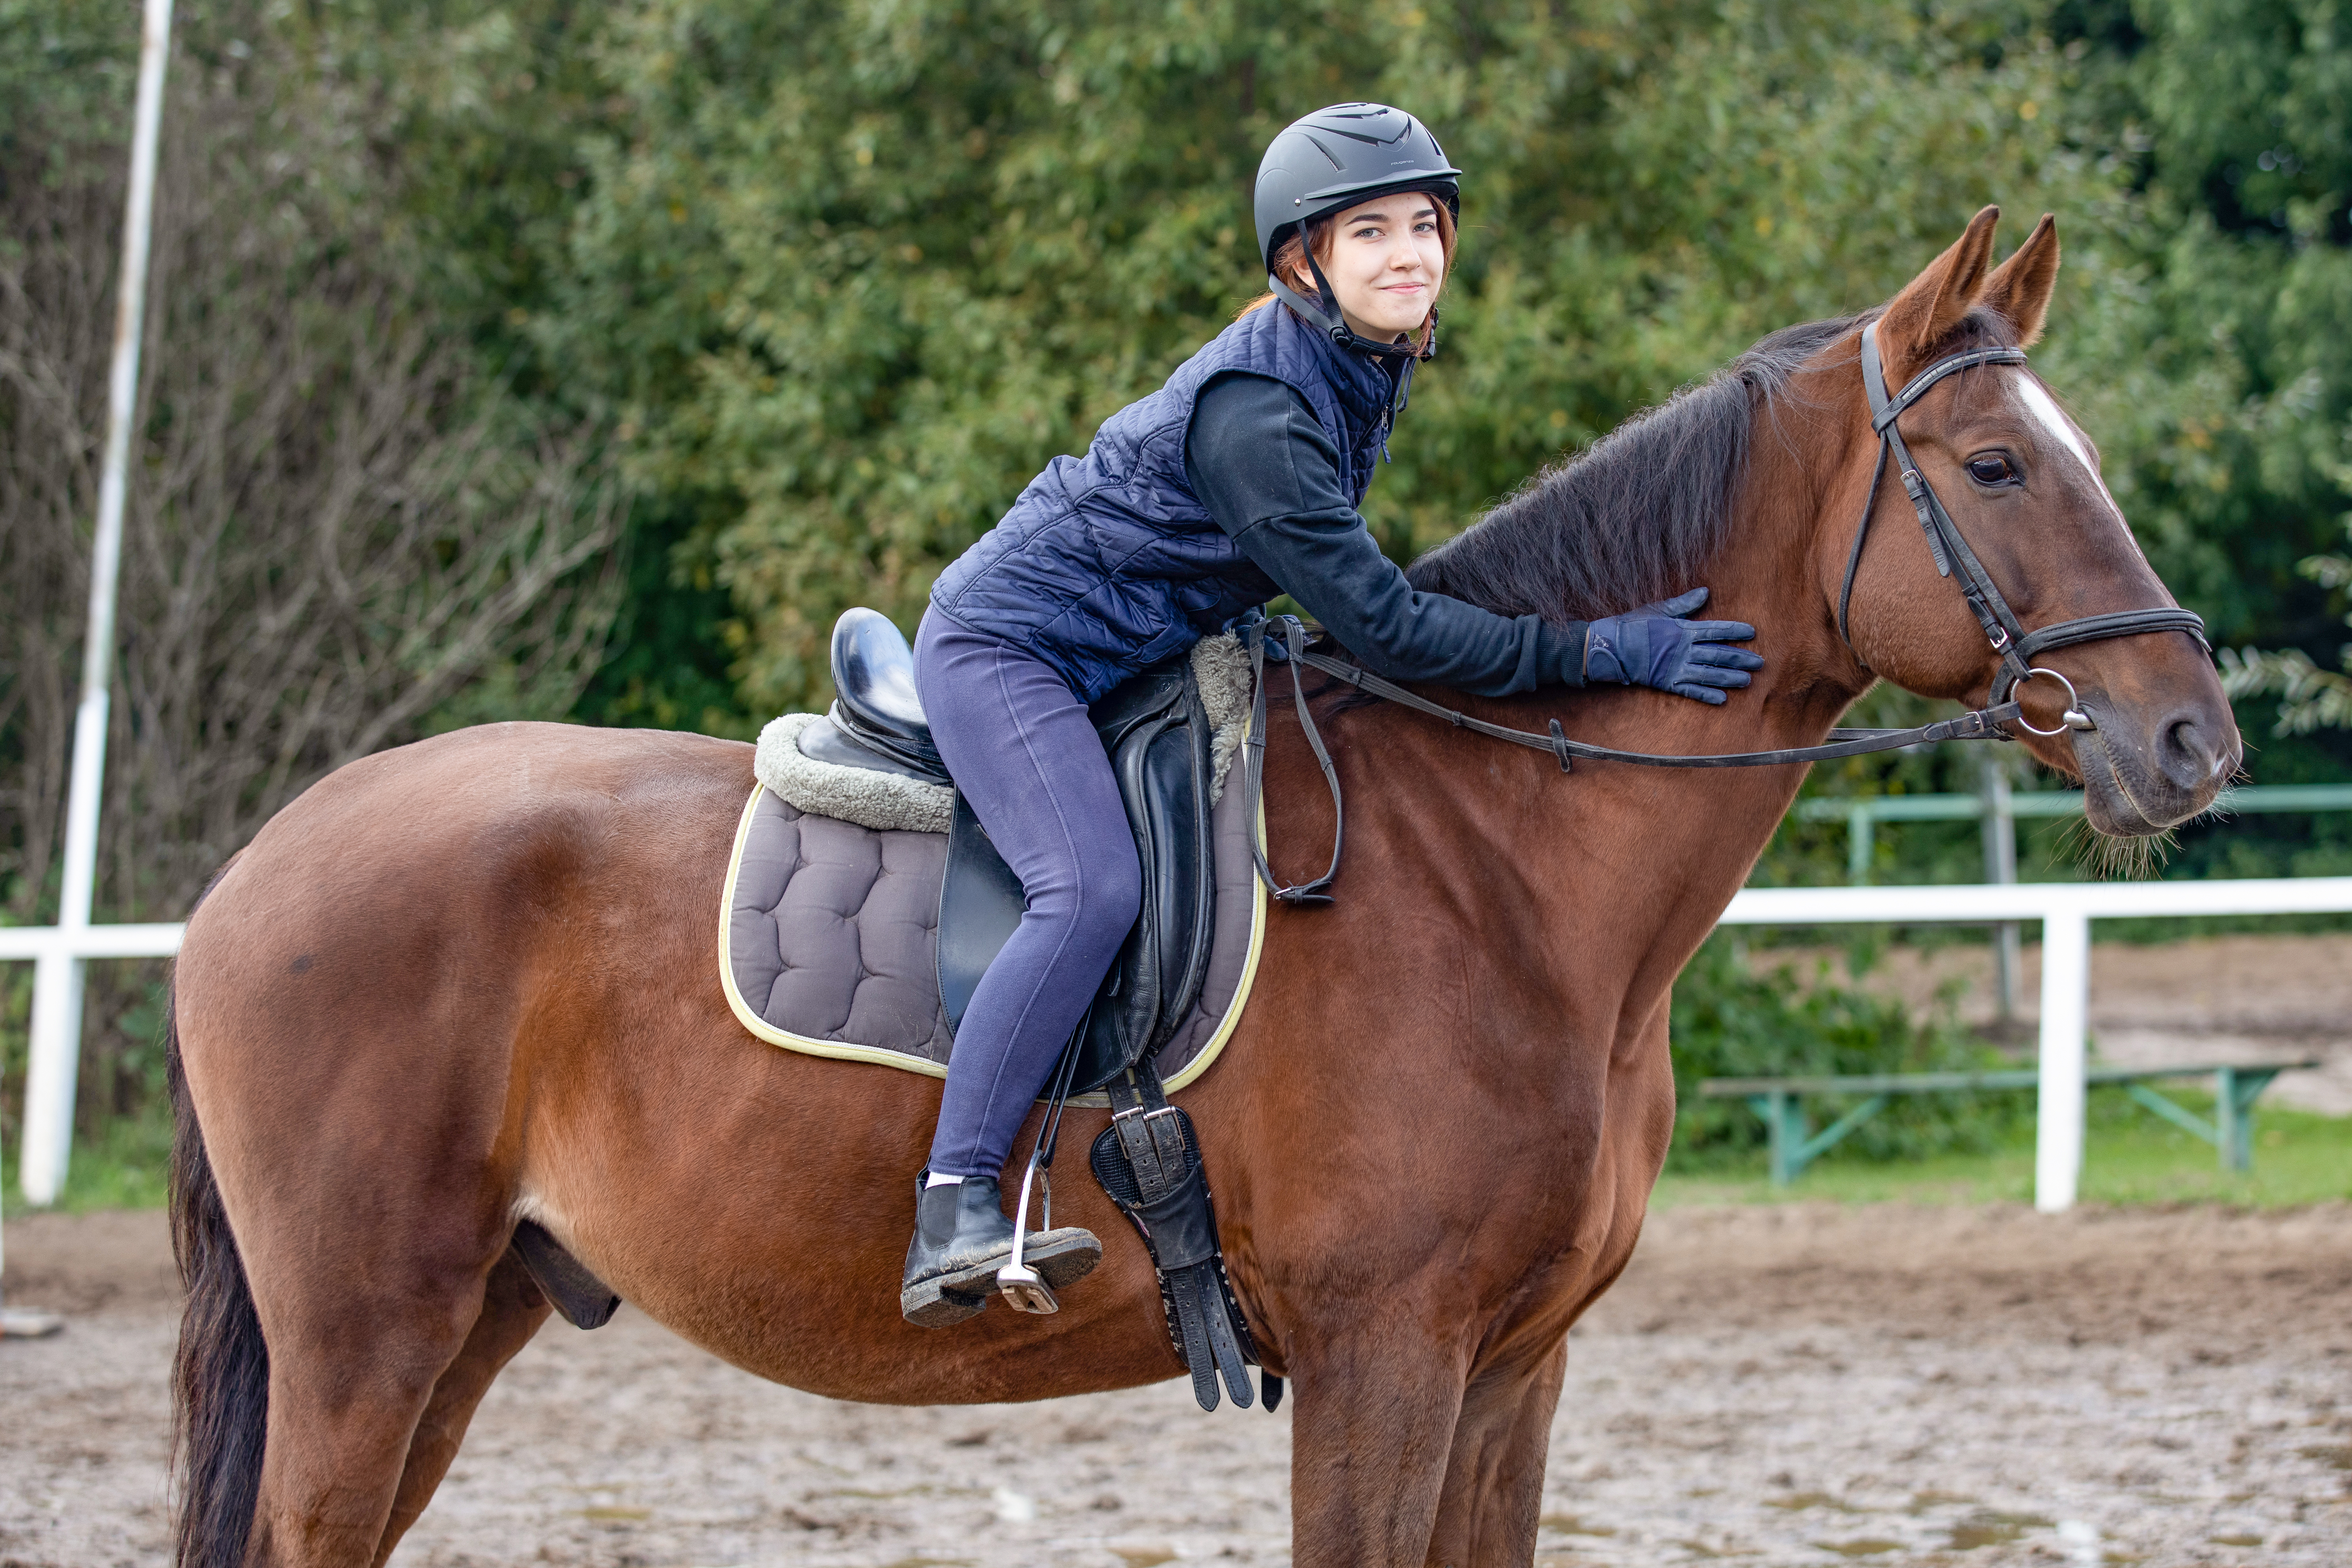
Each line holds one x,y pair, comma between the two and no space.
473,981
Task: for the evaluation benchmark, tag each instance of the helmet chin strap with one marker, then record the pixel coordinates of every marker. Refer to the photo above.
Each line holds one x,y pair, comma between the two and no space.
1329,319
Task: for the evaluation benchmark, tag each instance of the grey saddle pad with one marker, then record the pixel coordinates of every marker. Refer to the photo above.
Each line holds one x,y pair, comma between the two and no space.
826,939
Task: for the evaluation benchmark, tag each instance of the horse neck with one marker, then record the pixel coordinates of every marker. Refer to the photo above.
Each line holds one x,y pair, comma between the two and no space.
1618,872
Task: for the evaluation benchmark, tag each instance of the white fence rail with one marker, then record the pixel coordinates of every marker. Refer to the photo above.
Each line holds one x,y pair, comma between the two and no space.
2065,910
57,954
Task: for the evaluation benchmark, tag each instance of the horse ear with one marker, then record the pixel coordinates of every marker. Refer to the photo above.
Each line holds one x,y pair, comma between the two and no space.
2019,287
1933,303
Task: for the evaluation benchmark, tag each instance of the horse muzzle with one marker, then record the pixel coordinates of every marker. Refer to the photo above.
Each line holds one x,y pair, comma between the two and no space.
2144,773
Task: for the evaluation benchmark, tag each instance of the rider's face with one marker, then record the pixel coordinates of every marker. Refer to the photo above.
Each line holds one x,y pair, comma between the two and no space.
1387,260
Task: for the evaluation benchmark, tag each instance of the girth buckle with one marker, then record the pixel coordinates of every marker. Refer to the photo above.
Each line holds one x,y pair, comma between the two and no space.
1154,1142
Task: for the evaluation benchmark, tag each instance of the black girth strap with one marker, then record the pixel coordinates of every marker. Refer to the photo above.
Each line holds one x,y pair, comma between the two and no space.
1148,1162
2015,646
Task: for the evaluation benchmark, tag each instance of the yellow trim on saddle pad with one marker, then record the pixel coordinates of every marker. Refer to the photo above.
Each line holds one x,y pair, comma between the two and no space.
844,1051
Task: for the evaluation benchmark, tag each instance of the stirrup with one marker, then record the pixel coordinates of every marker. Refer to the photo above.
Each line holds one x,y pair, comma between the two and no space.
1023,1289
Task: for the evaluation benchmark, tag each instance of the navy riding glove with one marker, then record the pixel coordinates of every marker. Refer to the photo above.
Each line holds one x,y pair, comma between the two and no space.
1654,646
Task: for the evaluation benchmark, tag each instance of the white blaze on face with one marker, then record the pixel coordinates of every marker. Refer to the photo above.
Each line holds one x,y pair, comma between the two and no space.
2044,411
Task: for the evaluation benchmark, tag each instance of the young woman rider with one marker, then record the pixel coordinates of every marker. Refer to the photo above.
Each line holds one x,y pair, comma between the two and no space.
1236,481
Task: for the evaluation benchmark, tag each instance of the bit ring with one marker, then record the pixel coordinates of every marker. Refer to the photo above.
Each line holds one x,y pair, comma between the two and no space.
2070,718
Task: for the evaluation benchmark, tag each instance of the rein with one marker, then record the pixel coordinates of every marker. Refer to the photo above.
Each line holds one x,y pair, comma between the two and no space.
2009,638
1978,724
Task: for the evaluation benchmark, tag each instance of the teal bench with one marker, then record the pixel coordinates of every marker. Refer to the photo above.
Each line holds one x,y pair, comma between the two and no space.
1780,1102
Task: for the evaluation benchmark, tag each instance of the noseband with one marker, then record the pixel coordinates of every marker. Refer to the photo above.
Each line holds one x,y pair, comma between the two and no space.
2015,646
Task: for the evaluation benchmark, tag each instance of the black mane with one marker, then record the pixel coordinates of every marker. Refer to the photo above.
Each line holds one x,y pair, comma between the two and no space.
1634,517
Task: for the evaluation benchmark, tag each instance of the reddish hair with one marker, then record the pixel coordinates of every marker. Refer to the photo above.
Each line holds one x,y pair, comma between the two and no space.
1290,257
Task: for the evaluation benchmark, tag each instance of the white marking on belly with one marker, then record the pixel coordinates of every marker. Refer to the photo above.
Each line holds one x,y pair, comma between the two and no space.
2053,422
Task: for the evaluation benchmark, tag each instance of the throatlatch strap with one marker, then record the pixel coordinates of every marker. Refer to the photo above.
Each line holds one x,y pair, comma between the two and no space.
1853,556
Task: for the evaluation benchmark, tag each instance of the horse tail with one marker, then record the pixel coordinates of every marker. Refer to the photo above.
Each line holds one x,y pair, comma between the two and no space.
220,1377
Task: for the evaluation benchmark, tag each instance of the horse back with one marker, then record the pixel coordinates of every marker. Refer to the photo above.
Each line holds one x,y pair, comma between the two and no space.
468,852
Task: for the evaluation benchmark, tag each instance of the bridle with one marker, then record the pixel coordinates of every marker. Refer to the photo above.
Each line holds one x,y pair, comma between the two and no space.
2015,646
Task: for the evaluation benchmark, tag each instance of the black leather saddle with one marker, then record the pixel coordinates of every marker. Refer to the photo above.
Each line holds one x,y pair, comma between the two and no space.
1158,738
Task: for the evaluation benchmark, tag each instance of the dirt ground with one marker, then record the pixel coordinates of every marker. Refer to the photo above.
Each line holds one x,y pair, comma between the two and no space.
1802,1384
2214,999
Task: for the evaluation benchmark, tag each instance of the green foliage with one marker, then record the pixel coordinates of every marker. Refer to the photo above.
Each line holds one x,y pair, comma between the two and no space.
1732,1021
845,277
66,69
854,274
2310,697
123,1162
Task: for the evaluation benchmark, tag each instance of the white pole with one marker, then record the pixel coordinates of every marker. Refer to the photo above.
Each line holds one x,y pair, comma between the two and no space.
2065,1006
1999,835
58,977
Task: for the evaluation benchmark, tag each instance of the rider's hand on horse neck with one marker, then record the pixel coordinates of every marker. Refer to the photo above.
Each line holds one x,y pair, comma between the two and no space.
1656,645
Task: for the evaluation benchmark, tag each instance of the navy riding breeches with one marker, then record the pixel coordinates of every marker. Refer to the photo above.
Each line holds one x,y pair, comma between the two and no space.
1027,759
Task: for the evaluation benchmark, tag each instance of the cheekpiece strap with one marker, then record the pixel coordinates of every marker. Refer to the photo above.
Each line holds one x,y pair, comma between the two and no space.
1954,558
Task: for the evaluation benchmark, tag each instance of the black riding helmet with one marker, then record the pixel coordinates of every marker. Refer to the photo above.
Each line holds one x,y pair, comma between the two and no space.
1332,159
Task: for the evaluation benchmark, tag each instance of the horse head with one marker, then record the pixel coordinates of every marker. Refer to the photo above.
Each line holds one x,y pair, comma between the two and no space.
2151,737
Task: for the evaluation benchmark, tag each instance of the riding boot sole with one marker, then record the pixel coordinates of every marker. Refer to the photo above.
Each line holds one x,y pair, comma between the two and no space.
927,1306
1061,1258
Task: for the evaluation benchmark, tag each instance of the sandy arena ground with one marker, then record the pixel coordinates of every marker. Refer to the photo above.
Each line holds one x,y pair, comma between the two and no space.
1802,1384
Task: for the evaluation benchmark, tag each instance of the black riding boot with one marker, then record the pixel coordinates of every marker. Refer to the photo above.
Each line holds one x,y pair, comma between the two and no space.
963,1238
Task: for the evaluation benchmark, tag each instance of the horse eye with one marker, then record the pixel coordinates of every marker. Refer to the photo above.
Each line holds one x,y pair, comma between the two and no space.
1991,470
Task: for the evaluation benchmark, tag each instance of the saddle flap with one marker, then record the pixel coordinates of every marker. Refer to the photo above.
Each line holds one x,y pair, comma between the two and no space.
830,740
1161,764
979,904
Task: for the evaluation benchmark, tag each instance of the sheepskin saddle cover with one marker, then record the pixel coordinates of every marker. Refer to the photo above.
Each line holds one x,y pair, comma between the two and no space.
829,920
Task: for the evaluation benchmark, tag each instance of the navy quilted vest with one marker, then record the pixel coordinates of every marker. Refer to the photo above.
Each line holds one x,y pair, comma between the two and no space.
1108,564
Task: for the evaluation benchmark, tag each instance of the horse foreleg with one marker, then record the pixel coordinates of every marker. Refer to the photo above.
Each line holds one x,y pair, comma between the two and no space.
512,1310
1377,1404
1493,1500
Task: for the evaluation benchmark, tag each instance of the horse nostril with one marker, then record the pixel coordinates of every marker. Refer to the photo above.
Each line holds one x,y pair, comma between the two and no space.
2184,755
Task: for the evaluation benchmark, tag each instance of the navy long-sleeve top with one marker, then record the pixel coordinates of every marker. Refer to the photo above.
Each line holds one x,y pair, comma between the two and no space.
1259,460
